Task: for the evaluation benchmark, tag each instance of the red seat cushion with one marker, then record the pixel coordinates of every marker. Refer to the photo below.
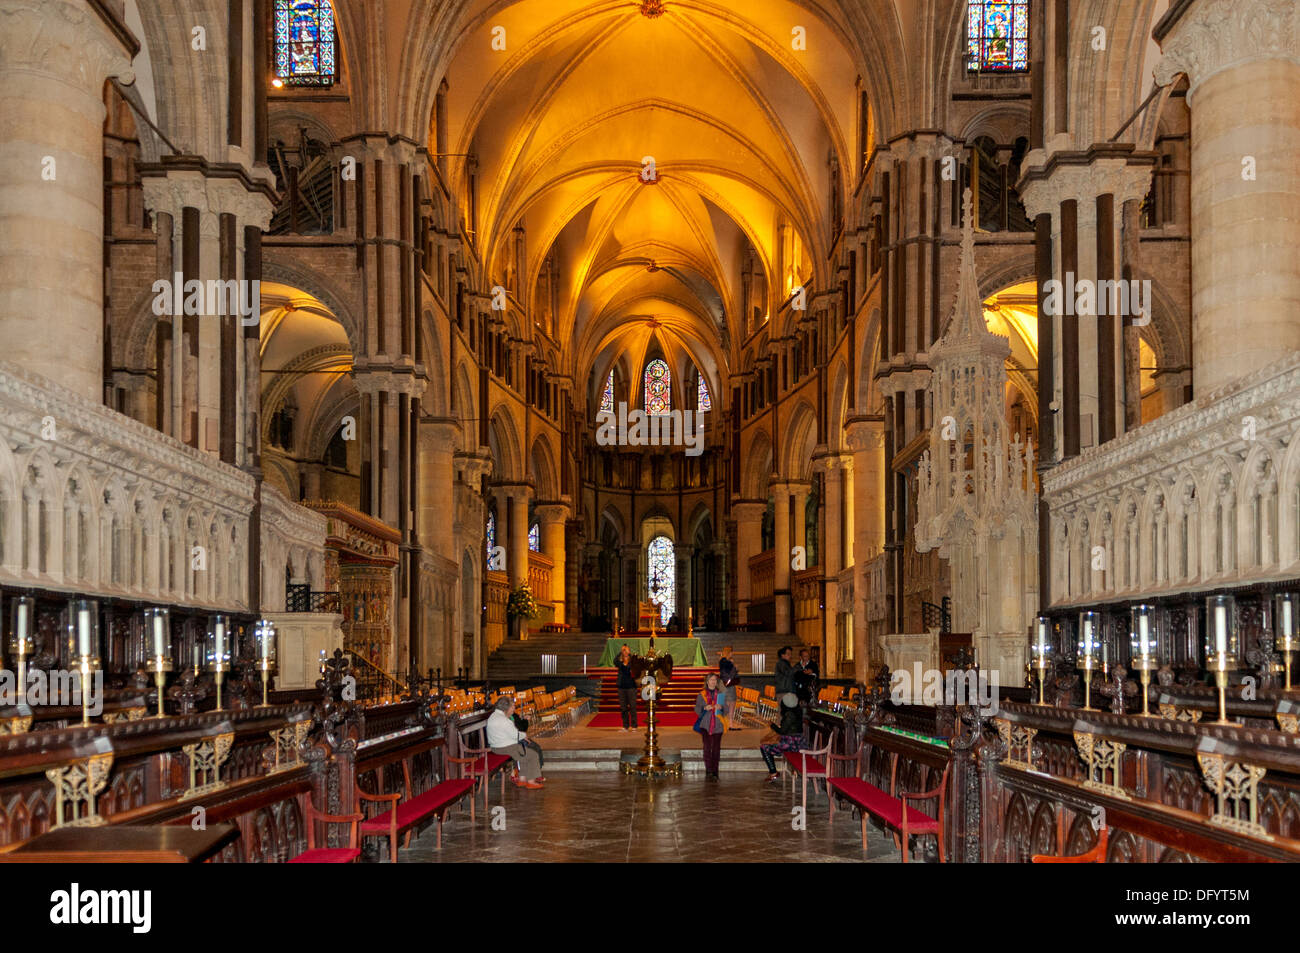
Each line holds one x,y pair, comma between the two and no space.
797,761
494,761
327,855
889,809
418,808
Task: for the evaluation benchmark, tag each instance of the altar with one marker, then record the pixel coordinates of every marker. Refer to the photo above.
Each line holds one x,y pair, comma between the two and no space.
684,650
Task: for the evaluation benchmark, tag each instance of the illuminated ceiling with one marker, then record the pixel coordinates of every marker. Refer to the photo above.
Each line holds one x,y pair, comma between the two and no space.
742,129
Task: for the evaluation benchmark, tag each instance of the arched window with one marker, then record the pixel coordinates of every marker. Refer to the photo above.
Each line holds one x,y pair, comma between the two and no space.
534,538
304,43
661,571
658,388
997,33
607,398
704,402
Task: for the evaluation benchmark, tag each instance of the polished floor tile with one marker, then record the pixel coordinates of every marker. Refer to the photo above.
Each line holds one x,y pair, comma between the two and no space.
604,817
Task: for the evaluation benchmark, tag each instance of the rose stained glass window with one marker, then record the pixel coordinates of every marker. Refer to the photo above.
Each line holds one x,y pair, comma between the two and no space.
658,388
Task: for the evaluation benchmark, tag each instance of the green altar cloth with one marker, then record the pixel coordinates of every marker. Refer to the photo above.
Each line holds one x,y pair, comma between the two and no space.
683,651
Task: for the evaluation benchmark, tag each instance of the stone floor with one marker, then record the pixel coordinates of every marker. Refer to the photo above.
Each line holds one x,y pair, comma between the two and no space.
607,817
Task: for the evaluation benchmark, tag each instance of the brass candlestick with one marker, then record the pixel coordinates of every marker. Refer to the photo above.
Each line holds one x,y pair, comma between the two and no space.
160,666
1089,663
1042,679
1145,664
266,665
1221,682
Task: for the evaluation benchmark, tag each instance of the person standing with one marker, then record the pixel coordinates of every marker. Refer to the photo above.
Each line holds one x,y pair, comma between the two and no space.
626,688
708,722
729,674
783,674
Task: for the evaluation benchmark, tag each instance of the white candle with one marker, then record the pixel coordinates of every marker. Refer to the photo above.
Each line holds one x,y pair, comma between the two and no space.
1042,639
1144,644
266,643
159,638
21,627
1105,653
198,657
1287,630
220,642
1089,647
1221,629
83,632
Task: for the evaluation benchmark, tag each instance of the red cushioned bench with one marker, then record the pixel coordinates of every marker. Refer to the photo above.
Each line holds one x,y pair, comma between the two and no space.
480,766
407,813
891,810
328,855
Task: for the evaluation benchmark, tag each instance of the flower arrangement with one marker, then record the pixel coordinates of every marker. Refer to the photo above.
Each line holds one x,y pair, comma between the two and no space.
521,604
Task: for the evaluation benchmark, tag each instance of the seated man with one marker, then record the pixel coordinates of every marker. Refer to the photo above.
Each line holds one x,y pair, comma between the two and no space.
786,736
503,737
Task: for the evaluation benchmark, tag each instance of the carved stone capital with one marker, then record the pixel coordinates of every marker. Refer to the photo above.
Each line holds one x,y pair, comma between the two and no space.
63,39
552,513
173,191
1084,183
1215,35
748,512
862,435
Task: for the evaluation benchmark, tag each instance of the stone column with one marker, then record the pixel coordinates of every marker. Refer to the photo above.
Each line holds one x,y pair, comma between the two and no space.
799,493
553,518
54,58
749,542
783,614
1242,61
634,591
683,596
311,479
866,439
517,544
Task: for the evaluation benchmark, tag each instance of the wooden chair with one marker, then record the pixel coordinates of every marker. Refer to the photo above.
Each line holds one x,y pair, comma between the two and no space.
808,764
328,855
1095,856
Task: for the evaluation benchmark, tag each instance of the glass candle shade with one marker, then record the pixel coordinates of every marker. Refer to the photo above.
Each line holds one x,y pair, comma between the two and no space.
158,635
264,640
83,628
1286,614
1042,638
1089,635
1145,640
219,641
1220,631
22,627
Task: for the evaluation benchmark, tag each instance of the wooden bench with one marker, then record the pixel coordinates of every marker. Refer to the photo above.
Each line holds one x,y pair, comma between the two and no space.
889,808
407,814
328,855
481,764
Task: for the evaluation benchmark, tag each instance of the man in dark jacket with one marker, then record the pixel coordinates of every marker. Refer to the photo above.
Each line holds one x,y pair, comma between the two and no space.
626,688
784,672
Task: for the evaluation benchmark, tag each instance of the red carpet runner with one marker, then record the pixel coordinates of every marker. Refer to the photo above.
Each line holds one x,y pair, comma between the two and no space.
671,719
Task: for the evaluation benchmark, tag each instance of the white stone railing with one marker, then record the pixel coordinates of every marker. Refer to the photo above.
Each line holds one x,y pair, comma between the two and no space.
293,547
1206,496
94,502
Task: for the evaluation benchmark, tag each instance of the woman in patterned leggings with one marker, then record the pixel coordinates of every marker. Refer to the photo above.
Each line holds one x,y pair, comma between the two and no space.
787,736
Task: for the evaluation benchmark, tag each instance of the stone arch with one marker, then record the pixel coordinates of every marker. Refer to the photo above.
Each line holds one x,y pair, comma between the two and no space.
800,438
503,441
757,464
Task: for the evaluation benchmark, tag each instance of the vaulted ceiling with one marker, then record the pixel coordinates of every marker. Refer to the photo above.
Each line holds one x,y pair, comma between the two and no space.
742,129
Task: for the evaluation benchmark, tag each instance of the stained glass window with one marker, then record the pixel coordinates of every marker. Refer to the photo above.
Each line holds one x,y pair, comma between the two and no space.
998,34
491,534
535,538
658,388
704,401
607,398
662,573
304,42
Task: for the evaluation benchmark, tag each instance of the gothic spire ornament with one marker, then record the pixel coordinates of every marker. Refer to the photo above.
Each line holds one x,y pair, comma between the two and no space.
977,501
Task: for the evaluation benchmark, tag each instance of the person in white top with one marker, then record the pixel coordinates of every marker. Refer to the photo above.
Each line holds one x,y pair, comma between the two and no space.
504,738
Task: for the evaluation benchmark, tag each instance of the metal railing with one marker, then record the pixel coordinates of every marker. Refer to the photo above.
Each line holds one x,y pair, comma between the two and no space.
299,597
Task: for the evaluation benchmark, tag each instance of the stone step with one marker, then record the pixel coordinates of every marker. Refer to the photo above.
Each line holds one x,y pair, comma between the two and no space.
731,760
